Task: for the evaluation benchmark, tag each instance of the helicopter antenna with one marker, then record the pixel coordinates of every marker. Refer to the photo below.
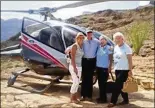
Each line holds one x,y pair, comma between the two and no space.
45,16
51,16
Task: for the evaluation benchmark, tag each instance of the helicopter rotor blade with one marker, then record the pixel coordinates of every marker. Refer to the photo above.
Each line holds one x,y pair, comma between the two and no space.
78,4
23,11
73,5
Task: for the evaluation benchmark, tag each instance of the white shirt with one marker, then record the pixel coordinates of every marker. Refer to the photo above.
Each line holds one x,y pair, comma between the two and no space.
120,57
78,55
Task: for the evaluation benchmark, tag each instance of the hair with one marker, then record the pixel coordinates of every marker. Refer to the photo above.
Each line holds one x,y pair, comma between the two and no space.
102,37
78,35
118,34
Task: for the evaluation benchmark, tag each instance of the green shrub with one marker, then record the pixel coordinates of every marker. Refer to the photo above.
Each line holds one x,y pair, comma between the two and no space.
137,33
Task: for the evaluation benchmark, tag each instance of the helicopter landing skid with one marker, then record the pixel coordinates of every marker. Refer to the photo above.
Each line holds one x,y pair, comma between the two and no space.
14,76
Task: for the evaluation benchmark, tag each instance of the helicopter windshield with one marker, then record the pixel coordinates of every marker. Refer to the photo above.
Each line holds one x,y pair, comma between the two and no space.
44,33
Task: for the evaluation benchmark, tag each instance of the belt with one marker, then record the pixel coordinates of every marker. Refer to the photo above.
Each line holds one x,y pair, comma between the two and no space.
89,58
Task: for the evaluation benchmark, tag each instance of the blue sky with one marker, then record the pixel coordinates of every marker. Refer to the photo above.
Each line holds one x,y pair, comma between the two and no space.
64,13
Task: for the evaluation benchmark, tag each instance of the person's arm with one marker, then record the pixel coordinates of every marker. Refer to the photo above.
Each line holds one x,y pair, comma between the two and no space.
110,62
73,52
68,49
110,59
129,56
98,46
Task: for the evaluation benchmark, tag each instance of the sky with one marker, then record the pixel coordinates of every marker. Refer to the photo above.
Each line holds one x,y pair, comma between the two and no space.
63,13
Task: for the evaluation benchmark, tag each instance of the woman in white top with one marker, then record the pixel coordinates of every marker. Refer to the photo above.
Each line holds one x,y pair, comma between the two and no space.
122,66
75,65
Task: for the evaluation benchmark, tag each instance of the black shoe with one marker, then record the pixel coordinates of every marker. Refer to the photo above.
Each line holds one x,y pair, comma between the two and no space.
82,99
88,99
123,103
99,100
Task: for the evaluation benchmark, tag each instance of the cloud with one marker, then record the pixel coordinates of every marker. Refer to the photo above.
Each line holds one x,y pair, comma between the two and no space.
143,3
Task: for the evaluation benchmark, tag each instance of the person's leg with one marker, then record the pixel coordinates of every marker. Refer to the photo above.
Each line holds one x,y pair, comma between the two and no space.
121,77
79,74
99,82
125,97
105,75
90,78
75,84
84,79
102,81
124,94
118,87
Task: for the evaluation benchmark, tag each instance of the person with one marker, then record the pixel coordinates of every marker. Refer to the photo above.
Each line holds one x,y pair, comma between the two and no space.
75,65
90,46
103,64
122,66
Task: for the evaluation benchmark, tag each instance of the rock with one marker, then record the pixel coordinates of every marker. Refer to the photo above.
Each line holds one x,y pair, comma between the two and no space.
146,46
117,17
148,50
152,47
18,104
145,50
66,106
10,98
2,97
152,86
142,52
6,104
146,84
100,20
148,42
71,20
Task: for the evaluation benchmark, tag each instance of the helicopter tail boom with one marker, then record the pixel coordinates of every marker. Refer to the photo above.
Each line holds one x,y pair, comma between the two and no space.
14,54
17,46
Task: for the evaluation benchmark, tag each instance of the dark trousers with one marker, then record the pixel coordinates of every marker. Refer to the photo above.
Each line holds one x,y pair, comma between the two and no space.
88,67
121,77
102,75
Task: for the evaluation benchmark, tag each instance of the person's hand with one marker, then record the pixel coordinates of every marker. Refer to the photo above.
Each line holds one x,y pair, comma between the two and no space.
67,51
111,48
109,70
76,71
130,73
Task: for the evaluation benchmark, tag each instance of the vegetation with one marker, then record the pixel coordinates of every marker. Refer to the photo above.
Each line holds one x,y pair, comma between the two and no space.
137,34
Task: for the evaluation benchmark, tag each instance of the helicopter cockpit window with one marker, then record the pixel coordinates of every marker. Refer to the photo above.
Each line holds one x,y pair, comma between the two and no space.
32,27
69,36
43,33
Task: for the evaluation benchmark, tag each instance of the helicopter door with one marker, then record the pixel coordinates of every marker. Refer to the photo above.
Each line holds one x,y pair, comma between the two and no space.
45,41
69,36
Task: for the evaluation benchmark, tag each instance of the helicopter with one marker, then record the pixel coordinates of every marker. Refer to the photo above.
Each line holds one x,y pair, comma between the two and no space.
43,44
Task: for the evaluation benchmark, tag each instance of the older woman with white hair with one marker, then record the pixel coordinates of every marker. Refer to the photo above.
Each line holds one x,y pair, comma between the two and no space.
103,64
122,66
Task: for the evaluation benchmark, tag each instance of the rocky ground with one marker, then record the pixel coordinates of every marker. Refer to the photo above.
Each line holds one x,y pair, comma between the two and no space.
58,95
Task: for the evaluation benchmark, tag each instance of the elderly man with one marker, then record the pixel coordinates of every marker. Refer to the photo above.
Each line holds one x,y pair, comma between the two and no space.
90,46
